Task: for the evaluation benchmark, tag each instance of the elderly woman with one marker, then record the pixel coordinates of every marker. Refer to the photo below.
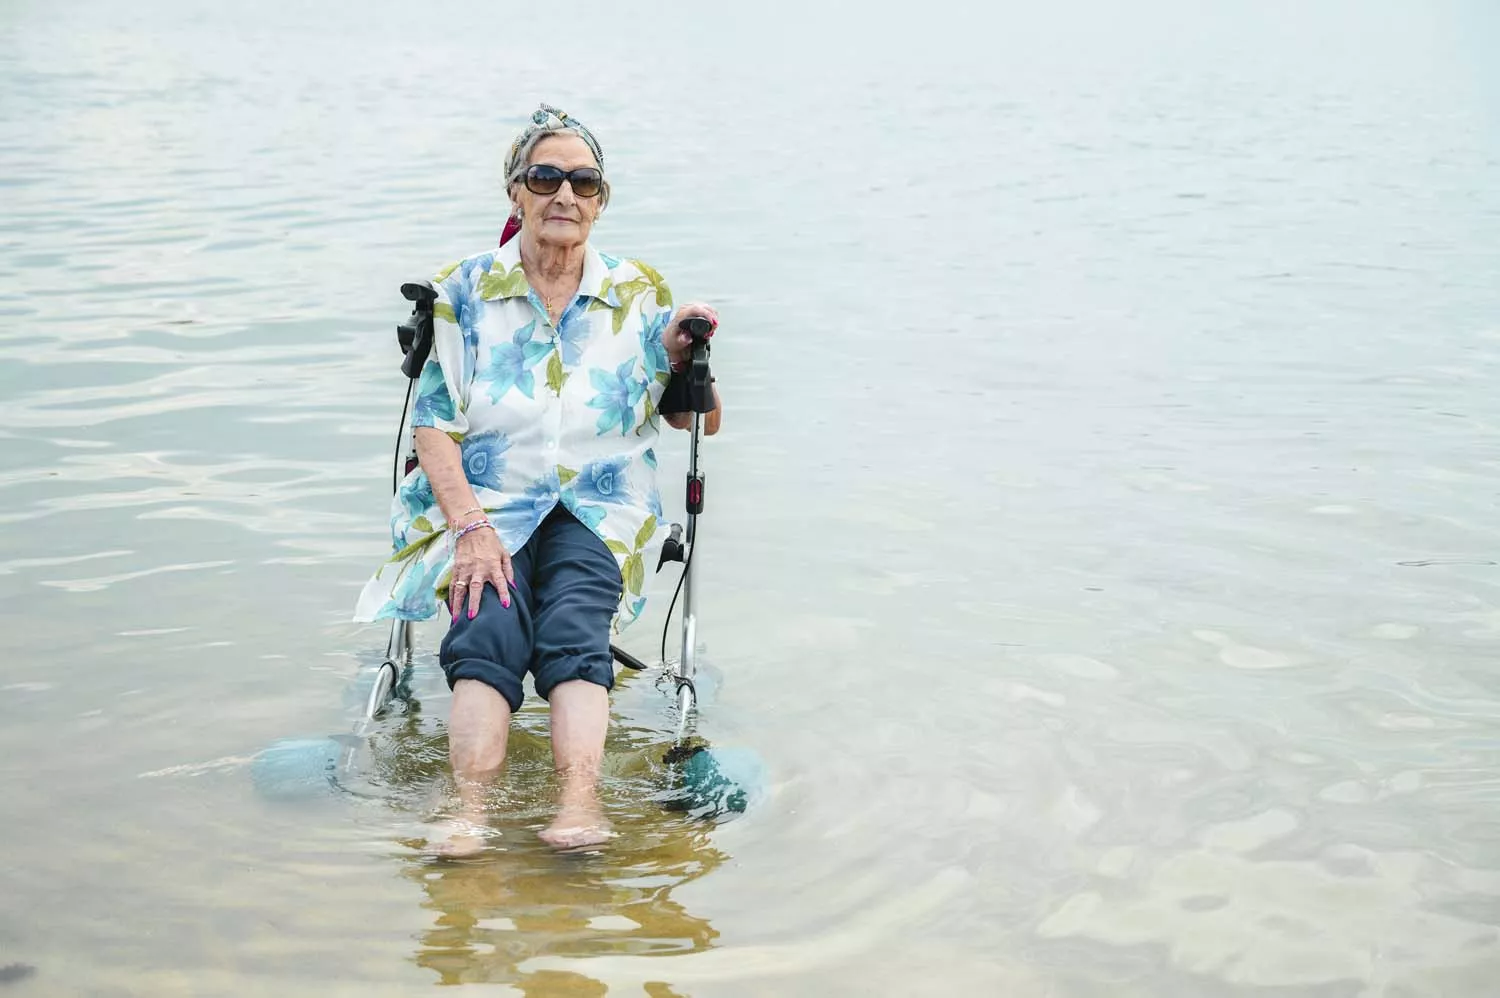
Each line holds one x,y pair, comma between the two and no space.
534,514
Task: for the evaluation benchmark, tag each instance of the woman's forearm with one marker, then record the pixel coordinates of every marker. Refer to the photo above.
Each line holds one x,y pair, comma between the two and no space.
711,421
442,460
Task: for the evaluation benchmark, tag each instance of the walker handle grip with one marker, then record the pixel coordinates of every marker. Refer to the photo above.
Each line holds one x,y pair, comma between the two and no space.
415,334
698,377
698,327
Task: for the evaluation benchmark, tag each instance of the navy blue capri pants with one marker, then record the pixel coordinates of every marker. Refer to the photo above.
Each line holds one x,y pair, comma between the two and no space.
567,590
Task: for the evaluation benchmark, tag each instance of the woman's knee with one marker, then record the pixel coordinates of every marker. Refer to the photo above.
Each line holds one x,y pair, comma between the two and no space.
493,648
478,726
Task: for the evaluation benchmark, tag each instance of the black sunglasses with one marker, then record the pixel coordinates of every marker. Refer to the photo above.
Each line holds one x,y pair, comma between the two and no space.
542,179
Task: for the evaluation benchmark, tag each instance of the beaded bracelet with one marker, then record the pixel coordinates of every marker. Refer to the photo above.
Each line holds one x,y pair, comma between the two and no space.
476,525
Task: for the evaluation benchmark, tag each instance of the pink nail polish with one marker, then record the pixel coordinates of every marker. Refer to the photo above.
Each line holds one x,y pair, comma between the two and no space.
505,603
471,614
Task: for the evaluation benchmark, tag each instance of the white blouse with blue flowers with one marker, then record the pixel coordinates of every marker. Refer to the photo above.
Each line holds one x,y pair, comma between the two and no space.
543,415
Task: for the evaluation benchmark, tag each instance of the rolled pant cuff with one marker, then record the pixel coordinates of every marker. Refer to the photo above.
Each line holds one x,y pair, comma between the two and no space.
502,681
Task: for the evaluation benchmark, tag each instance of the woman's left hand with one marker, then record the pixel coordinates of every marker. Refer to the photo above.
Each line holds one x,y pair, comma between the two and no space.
676,339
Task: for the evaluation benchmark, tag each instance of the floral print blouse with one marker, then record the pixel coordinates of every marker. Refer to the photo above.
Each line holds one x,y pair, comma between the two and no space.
543,414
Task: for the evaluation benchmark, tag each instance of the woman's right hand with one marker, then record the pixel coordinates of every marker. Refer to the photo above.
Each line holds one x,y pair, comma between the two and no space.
479,558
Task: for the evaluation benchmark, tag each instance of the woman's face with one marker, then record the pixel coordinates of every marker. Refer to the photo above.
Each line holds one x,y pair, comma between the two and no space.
562,218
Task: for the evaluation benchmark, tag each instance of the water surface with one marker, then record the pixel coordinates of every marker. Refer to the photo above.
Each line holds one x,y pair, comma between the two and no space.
1101,548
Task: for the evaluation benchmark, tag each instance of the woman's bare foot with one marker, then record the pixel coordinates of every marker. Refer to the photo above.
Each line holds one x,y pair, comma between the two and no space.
572,833
576,827
460,838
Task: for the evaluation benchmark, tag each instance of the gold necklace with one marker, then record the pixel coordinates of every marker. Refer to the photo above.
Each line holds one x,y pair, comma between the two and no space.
548,301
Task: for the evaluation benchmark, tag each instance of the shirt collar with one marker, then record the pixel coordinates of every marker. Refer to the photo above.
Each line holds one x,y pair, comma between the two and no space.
597,281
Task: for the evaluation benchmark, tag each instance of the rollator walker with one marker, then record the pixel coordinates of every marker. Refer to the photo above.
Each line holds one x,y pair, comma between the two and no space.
706,782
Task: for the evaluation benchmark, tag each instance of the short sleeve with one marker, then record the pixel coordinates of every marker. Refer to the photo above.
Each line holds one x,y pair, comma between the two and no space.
434,405
442,387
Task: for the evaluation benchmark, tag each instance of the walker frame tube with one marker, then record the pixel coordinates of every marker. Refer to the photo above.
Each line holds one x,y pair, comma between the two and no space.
687,693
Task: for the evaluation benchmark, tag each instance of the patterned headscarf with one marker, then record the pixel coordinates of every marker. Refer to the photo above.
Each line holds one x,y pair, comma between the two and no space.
547,118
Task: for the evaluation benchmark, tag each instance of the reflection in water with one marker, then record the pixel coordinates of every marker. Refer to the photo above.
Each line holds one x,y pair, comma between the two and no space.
494,913
520,899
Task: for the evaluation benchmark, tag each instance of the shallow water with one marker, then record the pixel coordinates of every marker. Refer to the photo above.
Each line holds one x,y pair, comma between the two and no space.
1101,549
